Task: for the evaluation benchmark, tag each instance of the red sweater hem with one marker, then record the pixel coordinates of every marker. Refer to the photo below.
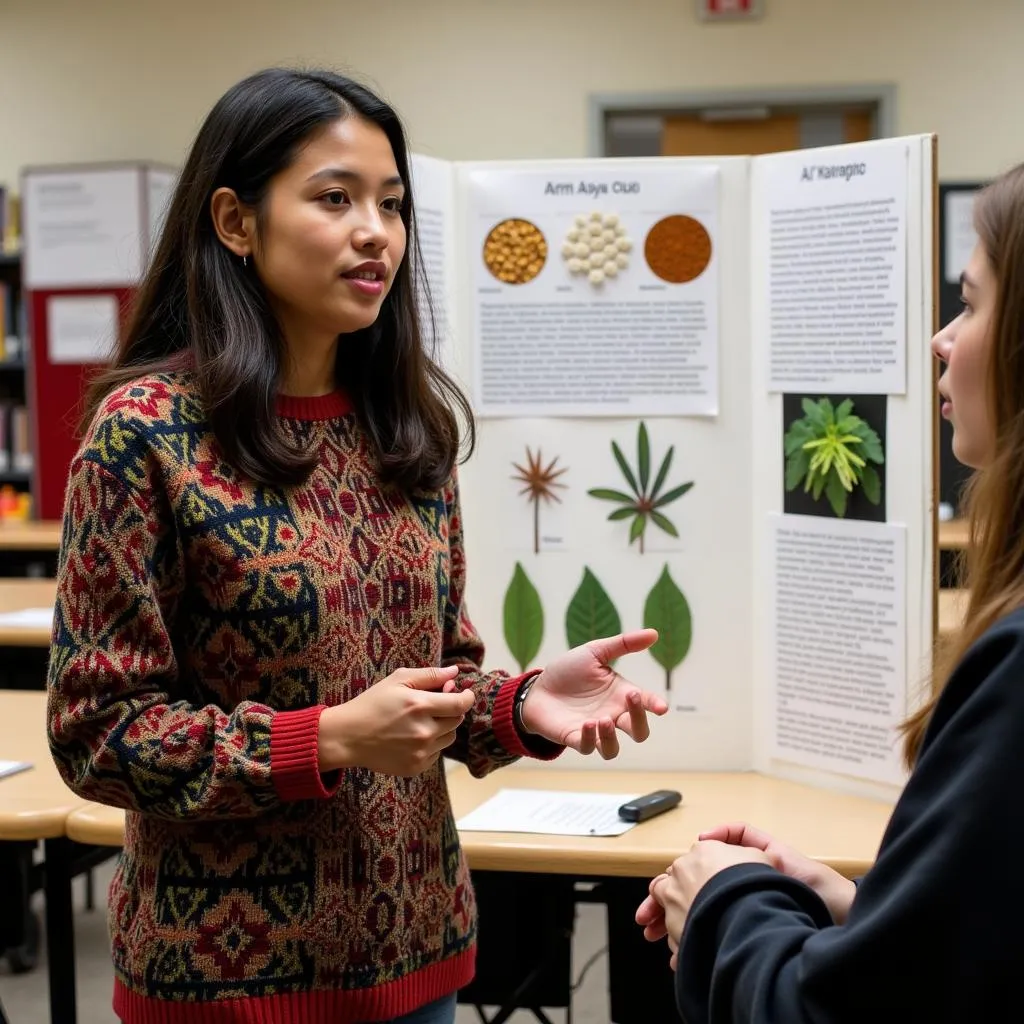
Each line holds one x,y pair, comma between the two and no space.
320,1006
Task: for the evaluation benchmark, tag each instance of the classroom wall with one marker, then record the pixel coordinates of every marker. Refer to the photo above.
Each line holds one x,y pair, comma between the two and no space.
485,79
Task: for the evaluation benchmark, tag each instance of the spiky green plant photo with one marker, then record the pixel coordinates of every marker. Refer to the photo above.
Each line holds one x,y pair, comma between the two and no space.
830,451
645,502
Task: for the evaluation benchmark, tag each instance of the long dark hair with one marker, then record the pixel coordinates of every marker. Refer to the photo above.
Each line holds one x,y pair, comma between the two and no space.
197,300
992,567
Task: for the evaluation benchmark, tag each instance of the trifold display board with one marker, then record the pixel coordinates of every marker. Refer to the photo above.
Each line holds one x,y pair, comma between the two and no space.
705,403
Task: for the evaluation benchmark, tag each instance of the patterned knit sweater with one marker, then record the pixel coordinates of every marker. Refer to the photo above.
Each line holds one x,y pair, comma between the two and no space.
202,624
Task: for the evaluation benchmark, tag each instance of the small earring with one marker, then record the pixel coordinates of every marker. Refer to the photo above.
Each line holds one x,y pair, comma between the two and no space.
245,261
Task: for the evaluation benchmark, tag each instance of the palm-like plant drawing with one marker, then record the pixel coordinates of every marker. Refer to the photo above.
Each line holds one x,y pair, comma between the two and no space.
645,503
540,483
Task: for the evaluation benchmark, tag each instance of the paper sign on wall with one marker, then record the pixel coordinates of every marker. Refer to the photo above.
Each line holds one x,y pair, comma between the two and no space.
83,328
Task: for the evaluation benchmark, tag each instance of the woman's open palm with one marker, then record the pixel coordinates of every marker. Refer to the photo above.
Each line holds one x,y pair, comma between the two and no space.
580,701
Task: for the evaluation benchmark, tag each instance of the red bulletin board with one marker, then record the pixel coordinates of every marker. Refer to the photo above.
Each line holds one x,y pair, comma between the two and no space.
88,233
56,390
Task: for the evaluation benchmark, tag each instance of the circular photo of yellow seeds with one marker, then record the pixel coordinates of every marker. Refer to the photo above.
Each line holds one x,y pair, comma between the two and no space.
515,251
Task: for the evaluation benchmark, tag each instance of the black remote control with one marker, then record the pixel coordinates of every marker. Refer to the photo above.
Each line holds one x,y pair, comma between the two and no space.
644,807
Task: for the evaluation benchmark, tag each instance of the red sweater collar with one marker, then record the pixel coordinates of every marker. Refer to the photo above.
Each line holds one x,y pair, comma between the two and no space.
314,407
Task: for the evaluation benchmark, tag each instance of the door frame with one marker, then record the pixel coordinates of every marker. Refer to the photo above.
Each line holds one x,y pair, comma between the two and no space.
881,97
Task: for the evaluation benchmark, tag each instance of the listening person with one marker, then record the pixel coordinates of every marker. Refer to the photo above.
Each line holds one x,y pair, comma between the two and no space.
761,933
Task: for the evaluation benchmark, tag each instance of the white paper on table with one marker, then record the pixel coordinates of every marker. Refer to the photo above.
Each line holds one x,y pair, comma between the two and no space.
13,767
549,813
31,618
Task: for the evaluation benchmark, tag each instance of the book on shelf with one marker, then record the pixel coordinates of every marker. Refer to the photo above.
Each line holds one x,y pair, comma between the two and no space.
10,222
12,323
15,442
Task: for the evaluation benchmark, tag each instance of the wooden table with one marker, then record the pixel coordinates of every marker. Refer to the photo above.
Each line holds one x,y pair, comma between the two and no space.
29,547
18,594
841,831
952,606
34,806
29,535
954,535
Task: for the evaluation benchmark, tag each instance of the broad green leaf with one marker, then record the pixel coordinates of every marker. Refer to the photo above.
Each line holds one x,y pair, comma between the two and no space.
524,619
872,484
797,436
607,494
815,414
665,523
662,473
872,443
873,448
639,524
819,485
676,492
796,466
667,611
591,614
844,409
643,452
623,513
836,494
624,466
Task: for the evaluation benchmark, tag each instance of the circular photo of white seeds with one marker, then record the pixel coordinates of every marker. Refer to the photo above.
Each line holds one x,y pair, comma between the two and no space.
597,246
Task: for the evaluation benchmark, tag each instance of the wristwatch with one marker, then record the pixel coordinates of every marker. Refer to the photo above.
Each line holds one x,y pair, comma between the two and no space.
517,707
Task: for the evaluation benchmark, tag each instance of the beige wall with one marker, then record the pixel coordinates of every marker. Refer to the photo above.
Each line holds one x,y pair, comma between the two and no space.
106,79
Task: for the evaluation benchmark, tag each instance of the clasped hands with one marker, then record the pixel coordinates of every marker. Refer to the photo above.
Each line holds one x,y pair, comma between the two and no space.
664,913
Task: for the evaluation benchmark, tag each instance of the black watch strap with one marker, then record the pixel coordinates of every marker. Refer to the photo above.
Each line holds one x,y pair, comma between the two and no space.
517,707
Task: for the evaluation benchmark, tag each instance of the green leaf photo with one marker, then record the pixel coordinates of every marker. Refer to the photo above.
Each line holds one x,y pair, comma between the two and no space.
591,613
524,619
668,611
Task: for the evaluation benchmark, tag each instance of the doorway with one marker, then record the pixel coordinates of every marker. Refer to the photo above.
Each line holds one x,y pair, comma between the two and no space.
747,122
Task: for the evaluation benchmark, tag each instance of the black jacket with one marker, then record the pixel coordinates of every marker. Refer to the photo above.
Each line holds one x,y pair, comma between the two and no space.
936,931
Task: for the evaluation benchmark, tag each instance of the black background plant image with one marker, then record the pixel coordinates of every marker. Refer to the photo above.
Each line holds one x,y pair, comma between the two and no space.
834,449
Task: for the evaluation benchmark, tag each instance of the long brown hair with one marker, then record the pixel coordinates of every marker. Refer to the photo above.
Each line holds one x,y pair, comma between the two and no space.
992,567
199,301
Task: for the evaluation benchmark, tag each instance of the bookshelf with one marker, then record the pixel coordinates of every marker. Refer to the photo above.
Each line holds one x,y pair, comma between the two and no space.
16,459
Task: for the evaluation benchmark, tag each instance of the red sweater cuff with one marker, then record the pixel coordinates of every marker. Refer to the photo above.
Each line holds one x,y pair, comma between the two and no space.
294,756
505,728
